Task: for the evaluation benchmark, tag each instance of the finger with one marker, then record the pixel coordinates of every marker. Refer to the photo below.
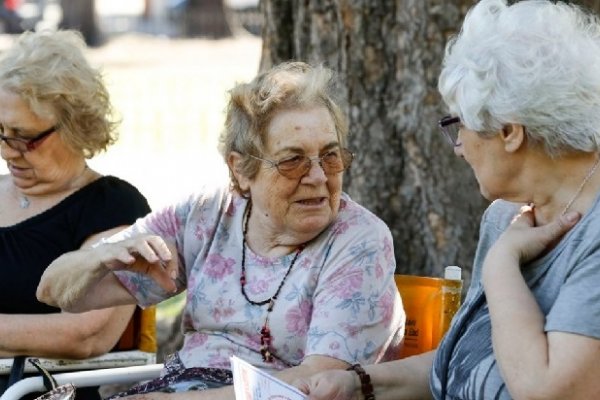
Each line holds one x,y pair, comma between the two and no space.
165,253
145,249
160,248
172,265
118,257
567,221
302,385
162,276
557,228
525,217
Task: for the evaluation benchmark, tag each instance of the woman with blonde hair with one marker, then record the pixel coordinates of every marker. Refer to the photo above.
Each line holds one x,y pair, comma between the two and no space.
55,113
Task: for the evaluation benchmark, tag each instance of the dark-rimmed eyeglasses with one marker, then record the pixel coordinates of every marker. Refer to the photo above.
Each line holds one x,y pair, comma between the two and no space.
332,162
450,126
24,145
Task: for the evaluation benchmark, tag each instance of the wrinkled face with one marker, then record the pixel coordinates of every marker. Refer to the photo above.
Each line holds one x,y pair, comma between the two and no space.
43,169
486,157
305,206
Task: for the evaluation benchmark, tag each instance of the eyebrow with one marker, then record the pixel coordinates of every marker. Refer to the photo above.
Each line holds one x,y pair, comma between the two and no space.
295,149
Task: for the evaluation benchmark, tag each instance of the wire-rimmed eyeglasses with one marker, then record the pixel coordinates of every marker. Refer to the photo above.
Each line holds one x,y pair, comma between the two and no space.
332,162
450,126
24,145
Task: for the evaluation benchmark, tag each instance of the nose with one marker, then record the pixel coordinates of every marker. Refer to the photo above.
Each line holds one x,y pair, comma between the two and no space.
458,150
315,173
8,152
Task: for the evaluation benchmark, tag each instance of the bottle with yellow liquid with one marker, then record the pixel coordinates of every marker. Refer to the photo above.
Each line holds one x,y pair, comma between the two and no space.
451,295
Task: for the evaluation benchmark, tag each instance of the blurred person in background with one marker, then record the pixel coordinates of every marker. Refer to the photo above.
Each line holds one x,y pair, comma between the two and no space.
55,113
9,19
282,268
522,83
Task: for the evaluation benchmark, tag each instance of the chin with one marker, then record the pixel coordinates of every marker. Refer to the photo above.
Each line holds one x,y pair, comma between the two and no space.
313,225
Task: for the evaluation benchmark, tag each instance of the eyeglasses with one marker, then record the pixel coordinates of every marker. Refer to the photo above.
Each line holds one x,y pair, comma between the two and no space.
25,145
450,126
333,162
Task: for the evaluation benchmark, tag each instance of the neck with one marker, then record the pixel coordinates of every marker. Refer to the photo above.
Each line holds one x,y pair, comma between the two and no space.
574,189
261,240
25,197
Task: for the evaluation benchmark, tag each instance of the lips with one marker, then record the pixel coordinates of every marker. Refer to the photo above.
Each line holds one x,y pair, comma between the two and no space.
313,201
17,172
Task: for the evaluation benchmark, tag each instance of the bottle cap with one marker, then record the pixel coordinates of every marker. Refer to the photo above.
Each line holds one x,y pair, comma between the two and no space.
452,272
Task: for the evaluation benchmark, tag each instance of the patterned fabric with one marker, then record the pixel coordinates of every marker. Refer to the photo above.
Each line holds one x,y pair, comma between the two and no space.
340,299
564,283
176,378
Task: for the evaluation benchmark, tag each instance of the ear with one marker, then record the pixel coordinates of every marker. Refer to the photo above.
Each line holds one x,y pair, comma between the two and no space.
234,161
513,136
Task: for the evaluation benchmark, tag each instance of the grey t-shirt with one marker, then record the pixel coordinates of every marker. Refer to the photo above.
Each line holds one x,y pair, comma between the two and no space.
565,282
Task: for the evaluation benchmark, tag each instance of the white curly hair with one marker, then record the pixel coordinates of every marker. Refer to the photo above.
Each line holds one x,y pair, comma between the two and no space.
535,63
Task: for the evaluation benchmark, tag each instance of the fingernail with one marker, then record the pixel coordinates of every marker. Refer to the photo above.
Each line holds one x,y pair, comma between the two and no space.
173,275
571,216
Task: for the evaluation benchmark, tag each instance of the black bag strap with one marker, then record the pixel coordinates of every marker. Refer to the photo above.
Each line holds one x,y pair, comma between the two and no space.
49,381
17,370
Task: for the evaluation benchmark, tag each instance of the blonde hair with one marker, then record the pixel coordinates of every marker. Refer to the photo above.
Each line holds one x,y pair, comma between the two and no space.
253,105
50,73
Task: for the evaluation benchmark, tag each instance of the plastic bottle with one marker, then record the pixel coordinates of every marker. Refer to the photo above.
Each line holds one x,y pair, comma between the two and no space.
451,295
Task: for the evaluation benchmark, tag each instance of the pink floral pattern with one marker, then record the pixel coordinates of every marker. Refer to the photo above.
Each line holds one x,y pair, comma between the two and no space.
340,298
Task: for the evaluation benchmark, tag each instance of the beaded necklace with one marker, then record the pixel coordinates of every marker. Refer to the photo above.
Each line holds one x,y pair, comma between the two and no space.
265,333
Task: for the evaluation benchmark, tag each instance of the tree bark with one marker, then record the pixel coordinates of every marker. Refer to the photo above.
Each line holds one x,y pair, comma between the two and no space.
81,15
388,54
206,18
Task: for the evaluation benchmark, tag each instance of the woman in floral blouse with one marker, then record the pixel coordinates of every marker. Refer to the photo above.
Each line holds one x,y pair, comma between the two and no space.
282,268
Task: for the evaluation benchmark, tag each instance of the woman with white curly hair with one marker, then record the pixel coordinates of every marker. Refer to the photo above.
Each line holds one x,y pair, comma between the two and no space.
522,84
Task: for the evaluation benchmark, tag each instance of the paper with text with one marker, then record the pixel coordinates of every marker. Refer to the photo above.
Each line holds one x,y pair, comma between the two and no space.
251,383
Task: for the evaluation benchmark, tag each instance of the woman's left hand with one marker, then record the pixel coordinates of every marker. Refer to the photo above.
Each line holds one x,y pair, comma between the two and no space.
523,241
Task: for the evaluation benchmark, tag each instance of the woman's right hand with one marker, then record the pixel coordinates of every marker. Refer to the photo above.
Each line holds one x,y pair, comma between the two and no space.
146,254
93,287
329,385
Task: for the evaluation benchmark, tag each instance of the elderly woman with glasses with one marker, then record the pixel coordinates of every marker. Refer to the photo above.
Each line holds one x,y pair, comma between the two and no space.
54,114
522,83
282,269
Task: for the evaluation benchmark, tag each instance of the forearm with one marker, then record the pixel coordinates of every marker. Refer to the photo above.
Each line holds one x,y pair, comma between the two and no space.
62,335
519,341
402,379
93,286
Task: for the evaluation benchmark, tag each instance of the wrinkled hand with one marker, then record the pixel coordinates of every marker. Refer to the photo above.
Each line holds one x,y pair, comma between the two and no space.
329,385
145,254
523,241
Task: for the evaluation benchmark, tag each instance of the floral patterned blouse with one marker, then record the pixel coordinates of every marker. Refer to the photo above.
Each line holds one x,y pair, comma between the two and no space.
339,300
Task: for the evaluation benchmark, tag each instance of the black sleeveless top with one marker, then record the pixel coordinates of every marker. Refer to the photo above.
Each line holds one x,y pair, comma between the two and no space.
27,248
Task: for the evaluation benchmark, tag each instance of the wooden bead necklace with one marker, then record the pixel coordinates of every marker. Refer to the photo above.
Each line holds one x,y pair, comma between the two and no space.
265,333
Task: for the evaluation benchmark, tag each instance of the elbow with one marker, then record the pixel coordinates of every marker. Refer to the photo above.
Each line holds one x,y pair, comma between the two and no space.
90,344
44,295
56,298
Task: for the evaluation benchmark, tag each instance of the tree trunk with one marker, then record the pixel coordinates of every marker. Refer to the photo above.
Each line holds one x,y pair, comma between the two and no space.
206,18
389,54
81,15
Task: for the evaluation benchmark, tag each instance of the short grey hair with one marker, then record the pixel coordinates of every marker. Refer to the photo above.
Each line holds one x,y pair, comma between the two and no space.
252,106
534,63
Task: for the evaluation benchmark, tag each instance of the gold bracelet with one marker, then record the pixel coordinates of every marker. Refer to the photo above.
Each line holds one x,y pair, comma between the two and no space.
366,387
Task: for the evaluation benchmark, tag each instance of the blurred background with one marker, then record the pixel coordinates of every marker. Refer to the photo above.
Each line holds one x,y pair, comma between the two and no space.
168,65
